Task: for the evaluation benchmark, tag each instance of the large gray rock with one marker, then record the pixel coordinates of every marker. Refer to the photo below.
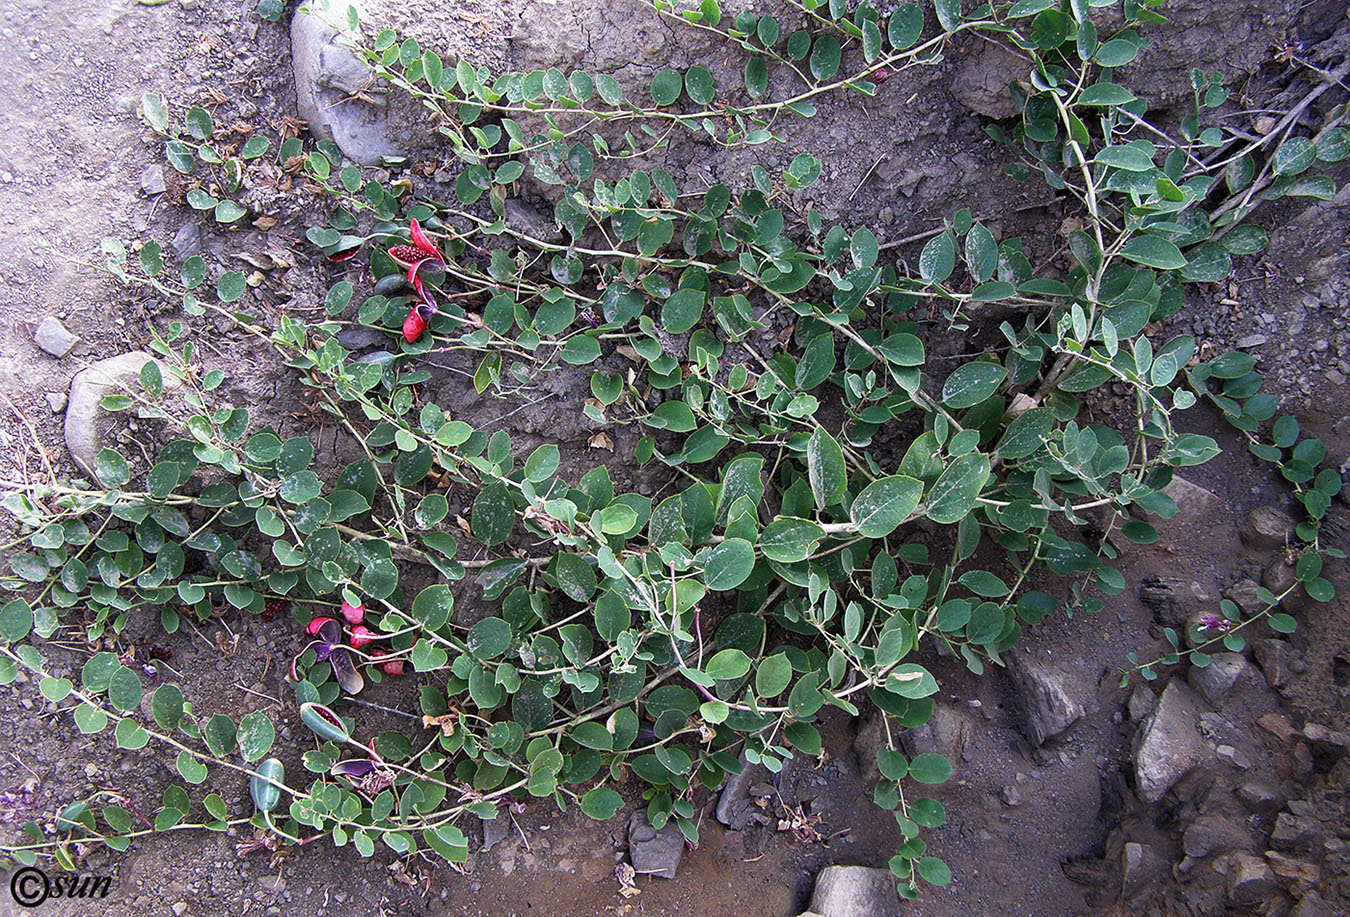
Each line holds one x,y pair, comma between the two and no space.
1168,744
85,429
654,852
328,78
1048,698
855,891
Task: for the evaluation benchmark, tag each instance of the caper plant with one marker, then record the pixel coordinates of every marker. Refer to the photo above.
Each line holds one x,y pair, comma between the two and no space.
840,503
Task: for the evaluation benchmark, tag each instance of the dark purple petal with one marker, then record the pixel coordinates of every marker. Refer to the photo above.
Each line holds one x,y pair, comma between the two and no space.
344,672
354,767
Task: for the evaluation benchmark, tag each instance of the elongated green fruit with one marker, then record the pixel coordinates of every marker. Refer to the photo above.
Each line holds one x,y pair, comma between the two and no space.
323,722
264,786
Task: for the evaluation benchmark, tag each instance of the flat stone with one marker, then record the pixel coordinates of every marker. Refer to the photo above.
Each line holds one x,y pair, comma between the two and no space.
950,732
1245,593
360,338
1141,703
1312,905
495,831
1171,598
736,808
56,401
1278,660
1278,725
53,337
1250,880
855,891
1214,680
1251,340
1140,868
152,180
654,852
1279,575
1168,743
1233,756
1296,832
1267,528
1261,798
327,76
1194,503
1209,834
525,219
1048,697
981,81
187,241
115,375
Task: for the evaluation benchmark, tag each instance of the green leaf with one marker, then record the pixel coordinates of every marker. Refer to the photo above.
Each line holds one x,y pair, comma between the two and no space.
192,770
905,26
542,463
1153,251
930,768
574,576
1027,433
884,504
1295,155
231,286
728,564
1101,95
16,620
682,310
817,362
493,515
773,675
957,489
601,803
255,736
166,706
788,540
112,470
124,690
699,85
971,384
948,13
219,735
489,638
666,86
825,57
934,871
728,664
825,469
938,259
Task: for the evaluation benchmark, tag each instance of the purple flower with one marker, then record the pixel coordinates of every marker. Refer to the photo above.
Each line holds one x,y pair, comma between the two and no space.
1210,623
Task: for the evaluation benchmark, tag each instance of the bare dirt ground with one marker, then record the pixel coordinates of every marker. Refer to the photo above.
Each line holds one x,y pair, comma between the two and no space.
1031,830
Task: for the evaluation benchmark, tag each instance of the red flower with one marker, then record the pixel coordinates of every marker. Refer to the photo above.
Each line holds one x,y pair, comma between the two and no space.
416,256
315,624
415,323
394,667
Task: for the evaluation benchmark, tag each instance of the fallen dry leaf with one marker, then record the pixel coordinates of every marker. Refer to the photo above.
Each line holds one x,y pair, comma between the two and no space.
601,441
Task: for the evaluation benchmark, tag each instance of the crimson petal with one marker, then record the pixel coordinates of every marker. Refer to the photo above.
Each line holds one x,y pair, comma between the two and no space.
421,241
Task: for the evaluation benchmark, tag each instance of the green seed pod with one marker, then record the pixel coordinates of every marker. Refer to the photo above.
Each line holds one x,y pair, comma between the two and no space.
323,722
264,786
